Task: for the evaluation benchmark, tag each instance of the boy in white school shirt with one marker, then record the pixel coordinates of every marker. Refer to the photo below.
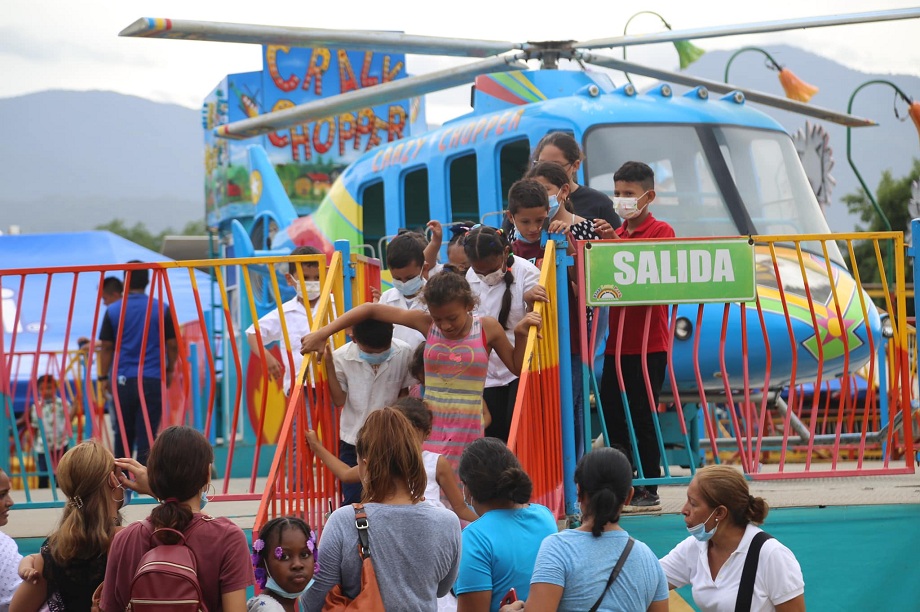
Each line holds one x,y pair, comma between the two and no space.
407,265
367,374
295,317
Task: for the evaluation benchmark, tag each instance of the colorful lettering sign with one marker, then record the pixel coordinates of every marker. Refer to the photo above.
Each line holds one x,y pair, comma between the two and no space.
306,157
627,272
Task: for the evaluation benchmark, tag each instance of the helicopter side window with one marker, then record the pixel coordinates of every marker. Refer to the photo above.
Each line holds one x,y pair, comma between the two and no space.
416,211
373,215
464,187
513,159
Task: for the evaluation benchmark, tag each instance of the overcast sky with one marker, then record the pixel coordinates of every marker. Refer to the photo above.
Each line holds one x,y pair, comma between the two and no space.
62,44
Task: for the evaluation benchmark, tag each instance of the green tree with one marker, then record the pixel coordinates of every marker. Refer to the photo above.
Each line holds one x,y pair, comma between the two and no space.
139,234
893,197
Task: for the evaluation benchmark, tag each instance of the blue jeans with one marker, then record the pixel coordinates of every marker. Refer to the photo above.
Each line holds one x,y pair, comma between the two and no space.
129,399
351,493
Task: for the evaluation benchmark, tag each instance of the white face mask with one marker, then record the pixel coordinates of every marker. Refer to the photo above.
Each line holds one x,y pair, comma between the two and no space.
313,290
492,278
627,208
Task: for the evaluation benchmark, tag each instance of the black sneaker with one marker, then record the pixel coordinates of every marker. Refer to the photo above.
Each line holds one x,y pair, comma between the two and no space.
643,501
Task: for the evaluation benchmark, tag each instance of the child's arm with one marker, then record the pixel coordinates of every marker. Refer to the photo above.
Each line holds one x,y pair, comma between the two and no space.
339,396
275,369
27,568
511,356
434,245
31,595
339,468
416,319
448,483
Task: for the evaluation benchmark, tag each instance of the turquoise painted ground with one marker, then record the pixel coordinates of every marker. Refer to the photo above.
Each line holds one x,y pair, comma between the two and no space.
854,557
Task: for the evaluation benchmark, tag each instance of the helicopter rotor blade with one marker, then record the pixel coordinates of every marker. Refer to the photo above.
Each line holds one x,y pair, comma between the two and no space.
750,28
357,40
715,86
370,96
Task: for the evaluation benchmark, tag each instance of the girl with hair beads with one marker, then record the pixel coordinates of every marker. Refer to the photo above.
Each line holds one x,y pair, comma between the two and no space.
284,560
504,285
576,569
414,546
456,355
500,548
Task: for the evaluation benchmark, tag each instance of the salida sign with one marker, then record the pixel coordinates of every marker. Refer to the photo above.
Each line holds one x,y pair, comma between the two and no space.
627,272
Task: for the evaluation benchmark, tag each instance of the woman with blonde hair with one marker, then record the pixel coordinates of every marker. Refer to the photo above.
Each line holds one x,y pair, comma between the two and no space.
722,517
73,558
414,546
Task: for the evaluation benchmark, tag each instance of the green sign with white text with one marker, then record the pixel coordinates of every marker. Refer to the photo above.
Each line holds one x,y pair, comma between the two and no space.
628,272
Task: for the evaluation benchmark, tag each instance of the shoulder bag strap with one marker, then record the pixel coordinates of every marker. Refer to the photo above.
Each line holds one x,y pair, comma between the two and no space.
364,548
614,573
749,573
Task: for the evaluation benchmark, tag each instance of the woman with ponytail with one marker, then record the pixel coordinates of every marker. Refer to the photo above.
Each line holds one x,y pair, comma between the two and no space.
178,474
500,547
574,567
414,545
73,558
722,517
506,286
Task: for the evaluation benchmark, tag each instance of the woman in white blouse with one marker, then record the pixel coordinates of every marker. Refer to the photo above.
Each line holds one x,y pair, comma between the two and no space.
721,516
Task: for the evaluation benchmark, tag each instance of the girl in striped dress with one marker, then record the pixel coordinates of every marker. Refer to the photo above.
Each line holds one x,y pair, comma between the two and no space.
456,355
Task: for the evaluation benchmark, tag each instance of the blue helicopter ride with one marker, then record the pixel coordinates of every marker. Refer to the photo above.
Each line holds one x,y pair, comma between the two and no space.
722,169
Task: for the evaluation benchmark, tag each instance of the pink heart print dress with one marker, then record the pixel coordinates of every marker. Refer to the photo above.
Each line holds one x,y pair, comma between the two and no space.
455,375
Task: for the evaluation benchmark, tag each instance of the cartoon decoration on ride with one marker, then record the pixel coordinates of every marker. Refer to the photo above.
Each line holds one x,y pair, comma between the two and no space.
813,146
399,176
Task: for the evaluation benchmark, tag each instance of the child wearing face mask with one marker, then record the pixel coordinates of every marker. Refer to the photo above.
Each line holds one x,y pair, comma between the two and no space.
634,191
295,317
407,265
506,286
366,374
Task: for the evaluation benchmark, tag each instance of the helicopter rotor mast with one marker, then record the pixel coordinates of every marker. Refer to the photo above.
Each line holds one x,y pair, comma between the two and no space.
754,96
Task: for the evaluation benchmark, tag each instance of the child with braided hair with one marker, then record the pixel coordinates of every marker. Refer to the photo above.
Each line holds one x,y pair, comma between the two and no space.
506,287
284,561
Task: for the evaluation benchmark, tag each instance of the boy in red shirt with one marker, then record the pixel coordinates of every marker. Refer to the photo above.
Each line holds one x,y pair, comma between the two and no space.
634,191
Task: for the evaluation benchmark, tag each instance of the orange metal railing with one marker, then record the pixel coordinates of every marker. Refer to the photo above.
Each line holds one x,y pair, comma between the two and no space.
536,425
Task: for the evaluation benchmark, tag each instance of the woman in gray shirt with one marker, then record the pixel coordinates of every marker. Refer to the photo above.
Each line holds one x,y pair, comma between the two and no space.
415,546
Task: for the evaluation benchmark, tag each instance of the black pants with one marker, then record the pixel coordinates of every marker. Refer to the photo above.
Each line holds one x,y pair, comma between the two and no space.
45,467
640,409
129,400
351,493
500,401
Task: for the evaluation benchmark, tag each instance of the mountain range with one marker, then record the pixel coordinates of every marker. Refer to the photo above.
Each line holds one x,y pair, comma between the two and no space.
74,160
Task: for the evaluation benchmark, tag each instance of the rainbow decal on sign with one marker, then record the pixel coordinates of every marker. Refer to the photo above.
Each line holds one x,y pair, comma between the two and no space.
510,87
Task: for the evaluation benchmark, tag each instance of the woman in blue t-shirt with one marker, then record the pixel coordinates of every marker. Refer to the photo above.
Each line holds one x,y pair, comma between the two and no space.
574,567
499,549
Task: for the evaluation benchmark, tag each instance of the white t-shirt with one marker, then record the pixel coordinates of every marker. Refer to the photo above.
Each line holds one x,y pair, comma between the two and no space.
779,576
392,297
295,316
9,566
526,276
367,390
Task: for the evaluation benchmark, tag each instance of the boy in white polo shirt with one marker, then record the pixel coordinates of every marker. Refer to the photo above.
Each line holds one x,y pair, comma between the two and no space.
295,317
406,262
367,374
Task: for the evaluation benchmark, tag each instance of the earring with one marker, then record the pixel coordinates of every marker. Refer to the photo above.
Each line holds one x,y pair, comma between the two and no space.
119,501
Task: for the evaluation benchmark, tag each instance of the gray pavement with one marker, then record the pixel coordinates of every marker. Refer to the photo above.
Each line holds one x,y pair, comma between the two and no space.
787,493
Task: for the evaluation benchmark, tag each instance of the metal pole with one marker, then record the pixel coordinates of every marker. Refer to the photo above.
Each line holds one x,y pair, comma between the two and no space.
769,57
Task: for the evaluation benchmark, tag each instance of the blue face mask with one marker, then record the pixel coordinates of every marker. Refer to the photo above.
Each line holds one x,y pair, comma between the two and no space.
375,358
519,236
410,287
553,206
204,500
699,531
271,585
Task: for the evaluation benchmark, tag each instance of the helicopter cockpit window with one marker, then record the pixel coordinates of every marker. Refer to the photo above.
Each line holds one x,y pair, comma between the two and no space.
687,194
464,188
773,185
415,200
